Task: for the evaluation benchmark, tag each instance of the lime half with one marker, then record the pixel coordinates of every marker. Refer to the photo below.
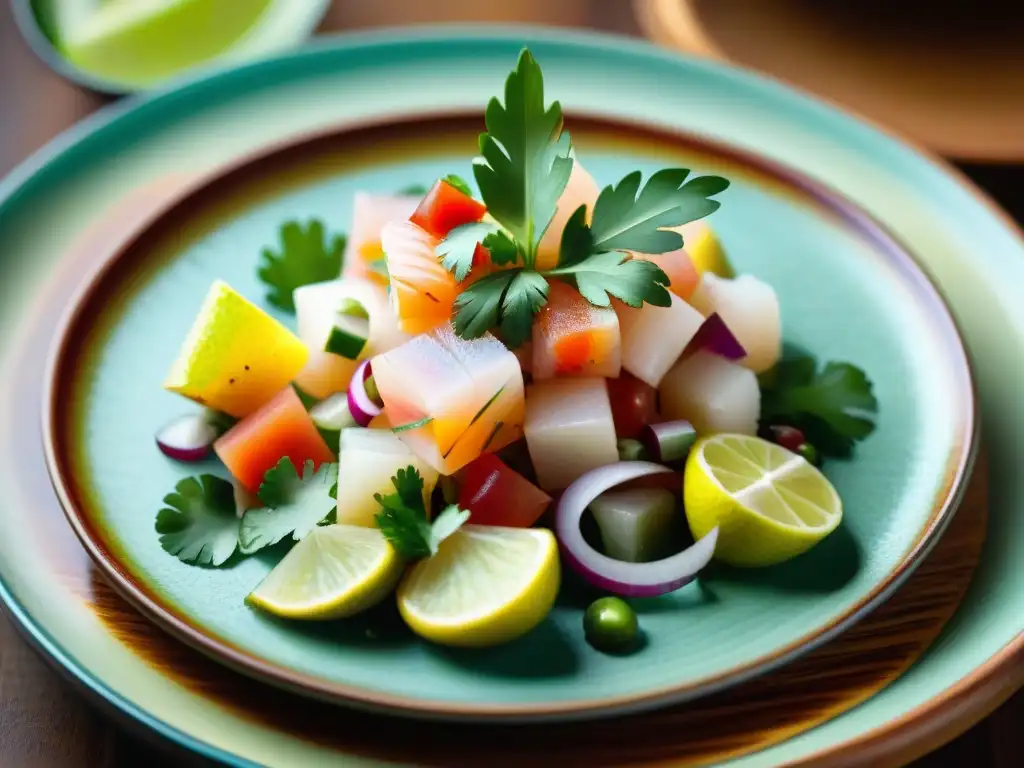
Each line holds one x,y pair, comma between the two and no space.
770,504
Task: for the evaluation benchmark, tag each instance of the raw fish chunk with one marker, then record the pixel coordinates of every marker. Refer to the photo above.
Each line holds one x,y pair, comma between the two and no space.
317,306
470,391
569,430
713,394
367,460
580,190
679,269
653,337
751,310
422,291
364,256
572,337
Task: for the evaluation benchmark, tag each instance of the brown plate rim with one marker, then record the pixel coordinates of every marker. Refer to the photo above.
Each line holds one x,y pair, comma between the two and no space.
959,466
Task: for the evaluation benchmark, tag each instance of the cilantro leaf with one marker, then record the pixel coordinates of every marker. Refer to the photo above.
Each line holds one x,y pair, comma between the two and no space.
525,296
306,256
454,180
525,161
627,221
403,517
294,504
457,249
834,407
603,275
478,308
199,525
501,247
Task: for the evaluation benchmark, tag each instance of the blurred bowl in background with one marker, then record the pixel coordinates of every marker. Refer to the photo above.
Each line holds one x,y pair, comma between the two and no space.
947,76
122,46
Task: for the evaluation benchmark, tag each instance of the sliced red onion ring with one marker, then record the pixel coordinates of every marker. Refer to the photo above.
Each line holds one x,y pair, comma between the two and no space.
187,438
363,409
627,579
715,336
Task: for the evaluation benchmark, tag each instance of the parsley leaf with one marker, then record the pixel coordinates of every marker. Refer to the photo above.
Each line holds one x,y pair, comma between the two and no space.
293,504
306,256
603,275
577,239
457,249
834,407
525,161
624,220
526,294
198,524
502,248
478,308
454,180
403,517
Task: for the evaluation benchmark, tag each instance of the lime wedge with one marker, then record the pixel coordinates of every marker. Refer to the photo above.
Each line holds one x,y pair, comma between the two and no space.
334,572
769,504
139,42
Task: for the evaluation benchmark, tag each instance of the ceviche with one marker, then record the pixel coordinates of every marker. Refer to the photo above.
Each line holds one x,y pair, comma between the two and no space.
487,382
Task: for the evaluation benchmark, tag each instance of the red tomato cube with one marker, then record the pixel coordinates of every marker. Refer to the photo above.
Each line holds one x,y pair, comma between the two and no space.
497,495
634,405
280,428
444,208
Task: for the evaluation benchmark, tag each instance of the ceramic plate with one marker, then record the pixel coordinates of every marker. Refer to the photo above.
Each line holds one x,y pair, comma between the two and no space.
847,292
162,136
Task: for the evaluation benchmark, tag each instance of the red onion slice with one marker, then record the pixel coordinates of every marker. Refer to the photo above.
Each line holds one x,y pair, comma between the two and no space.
363,409
627,579
187,438
715,336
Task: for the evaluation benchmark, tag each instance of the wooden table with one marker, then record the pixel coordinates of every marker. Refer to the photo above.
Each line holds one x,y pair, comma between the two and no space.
44,723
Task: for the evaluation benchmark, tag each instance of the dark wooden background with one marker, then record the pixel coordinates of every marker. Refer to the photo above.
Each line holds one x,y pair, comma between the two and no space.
44,722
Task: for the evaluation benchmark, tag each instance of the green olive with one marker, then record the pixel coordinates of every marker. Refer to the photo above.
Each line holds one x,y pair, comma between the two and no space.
610,625
809,452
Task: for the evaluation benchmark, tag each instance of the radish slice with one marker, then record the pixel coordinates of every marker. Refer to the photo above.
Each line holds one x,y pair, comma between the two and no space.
187,438
627,579
361,406
715,336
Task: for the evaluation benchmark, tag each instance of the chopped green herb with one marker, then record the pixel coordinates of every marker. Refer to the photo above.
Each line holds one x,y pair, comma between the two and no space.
413,425
306,256
348,337
834,407
198,523
403,517
294,504
459,183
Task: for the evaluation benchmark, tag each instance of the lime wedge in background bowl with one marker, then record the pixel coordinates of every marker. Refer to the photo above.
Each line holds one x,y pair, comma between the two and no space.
119,46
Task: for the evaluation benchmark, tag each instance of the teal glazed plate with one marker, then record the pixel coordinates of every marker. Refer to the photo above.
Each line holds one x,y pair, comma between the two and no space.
847,290
822,207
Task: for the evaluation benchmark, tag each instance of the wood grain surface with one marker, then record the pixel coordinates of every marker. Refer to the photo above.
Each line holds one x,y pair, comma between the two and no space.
43,720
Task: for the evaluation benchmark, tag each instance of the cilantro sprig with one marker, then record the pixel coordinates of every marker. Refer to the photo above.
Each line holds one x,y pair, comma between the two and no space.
525,163
403,517
198,523
293,504
306,255
833,406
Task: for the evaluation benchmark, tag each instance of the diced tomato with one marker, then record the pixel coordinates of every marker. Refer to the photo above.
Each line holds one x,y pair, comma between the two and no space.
634,405
497,495
259,441
444,208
